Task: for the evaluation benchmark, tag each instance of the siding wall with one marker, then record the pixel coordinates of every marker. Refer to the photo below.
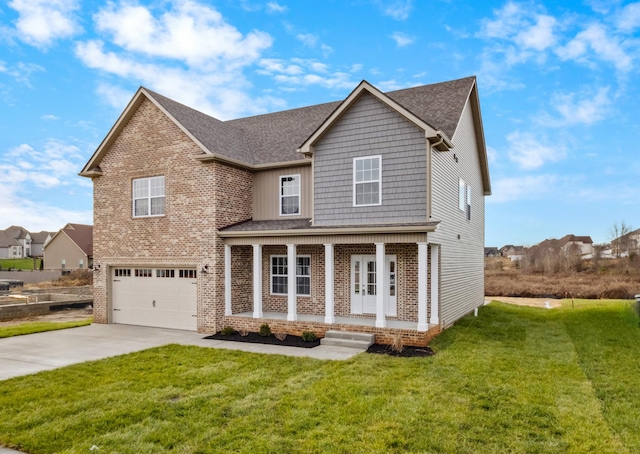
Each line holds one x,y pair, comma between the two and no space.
266,192
462,267
61,247
371,128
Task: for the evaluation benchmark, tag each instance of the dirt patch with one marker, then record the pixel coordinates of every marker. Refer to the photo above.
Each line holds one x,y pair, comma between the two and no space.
63,315
549,303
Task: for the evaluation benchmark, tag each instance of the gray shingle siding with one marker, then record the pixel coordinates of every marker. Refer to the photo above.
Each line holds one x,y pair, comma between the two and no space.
462,260
370,128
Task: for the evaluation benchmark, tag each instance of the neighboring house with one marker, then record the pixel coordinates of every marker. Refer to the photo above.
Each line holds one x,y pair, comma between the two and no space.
514,253
38,240
15,243
378,200
491,252
626,244
70,249
568,244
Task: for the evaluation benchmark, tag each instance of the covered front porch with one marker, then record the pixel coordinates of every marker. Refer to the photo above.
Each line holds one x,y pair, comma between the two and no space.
382,282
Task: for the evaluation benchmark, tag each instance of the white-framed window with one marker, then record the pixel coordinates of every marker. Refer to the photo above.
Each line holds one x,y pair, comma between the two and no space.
80,263
63,264
280,275
148,197
289,195
464,198
367,181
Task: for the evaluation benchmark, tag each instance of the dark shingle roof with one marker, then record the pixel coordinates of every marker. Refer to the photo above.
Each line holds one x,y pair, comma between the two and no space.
293,224
82,235
275,137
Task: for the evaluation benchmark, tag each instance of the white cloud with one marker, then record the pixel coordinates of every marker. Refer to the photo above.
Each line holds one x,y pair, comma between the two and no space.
396,9
402,39
21,72
190,32
305,72
41,22
49,117
529,152
522,188
326,50
629,17
595,38
273,7
308,39
583,108
187,52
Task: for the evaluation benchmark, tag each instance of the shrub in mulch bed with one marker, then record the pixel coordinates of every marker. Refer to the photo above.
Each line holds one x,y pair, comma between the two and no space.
407,352
256,338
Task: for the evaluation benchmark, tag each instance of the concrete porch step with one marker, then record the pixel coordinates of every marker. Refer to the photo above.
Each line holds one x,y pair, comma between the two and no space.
347,339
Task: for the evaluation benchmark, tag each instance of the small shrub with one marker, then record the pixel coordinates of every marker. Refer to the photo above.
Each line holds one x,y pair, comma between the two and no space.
243,332
280,336
265,330
227,331
397,345
309,336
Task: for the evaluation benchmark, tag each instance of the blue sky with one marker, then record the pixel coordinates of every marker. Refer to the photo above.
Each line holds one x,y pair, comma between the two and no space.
557,82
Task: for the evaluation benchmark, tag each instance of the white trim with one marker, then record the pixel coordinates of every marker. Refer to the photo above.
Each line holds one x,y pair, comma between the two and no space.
329,303
292,281
299,194
257,281
227,280
423,325
435,289
378,180
381,286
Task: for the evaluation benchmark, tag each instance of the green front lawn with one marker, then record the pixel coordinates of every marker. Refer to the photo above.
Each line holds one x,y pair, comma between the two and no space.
19,264
514,379
39,327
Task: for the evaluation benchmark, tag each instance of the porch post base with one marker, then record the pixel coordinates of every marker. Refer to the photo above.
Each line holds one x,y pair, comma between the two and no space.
381,323
292,317
329,320
423,327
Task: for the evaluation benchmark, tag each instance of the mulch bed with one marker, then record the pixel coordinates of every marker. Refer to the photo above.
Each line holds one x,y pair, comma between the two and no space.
407,352
255,338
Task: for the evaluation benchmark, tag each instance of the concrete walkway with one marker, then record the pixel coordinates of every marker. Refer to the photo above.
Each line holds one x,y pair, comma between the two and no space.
22,355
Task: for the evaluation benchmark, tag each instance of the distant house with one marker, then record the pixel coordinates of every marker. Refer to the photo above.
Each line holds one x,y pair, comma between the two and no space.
582,245
491,252
623,245
17,242
71,248
513,252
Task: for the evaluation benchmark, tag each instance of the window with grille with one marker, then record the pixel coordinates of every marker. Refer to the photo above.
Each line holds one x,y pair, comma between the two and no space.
367,178
148,197
289,195
280,275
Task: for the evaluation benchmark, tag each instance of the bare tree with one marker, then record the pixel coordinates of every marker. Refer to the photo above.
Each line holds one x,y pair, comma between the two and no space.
620,239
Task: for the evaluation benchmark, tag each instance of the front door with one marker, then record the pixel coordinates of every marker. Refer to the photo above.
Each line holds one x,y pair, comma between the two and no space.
364,284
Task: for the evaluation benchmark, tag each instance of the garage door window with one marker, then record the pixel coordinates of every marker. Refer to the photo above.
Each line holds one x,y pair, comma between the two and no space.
165,273
143,273
122,272
187,274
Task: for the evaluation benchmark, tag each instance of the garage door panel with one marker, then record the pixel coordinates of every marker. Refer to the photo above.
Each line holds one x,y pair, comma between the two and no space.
141,297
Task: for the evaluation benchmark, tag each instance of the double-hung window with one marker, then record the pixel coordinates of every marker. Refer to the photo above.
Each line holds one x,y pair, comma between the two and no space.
464,198
289,195
148,197
280,275
367,178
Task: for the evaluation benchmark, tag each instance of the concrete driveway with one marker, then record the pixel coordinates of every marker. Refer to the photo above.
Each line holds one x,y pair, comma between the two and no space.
22,355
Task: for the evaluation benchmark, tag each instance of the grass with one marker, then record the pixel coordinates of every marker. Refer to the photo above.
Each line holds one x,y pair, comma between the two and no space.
39,327
19,264
513,379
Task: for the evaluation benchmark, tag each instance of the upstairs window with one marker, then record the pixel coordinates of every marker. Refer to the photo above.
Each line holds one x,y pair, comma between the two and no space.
148,197
464,198
289,195
367,177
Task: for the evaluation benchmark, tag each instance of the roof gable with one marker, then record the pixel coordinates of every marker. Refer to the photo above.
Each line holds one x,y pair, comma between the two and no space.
80,234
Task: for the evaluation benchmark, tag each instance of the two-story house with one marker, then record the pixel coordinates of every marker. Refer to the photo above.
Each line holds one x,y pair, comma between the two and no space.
365,214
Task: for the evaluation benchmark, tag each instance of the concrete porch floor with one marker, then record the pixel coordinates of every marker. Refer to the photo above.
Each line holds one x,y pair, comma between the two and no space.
356,321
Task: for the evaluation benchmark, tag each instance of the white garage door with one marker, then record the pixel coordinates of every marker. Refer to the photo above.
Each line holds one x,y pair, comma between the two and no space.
164,298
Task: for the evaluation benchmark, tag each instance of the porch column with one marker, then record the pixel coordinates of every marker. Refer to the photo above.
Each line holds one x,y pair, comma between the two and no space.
423,325
329,305
227,280
257,281
381,282
292,315
435,288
